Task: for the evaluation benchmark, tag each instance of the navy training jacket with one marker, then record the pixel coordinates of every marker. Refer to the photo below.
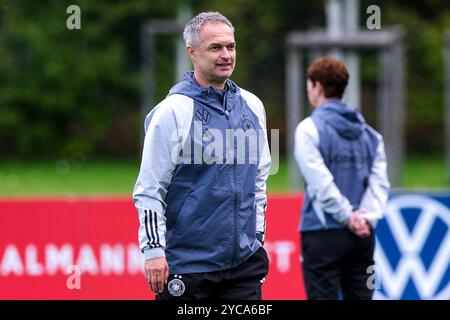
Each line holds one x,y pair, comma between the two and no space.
201,189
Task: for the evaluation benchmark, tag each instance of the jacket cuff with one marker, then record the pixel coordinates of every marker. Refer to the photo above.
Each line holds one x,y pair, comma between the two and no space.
345,217
153,253
373,223
260,236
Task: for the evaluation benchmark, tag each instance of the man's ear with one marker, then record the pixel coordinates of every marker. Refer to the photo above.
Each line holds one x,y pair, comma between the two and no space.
190,52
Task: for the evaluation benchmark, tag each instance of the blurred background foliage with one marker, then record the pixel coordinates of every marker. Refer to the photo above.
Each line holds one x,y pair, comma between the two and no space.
76,93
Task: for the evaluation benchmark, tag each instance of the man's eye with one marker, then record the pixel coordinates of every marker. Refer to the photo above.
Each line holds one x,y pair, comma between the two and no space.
231,47
214,48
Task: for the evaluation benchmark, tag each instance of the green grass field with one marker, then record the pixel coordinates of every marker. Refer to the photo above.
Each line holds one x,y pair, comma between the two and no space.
118,177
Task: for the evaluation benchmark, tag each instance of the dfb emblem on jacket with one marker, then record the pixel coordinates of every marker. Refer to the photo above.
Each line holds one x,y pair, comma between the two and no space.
247,124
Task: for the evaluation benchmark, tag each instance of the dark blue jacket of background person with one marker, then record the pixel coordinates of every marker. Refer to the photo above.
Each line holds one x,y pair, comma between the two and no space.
343,163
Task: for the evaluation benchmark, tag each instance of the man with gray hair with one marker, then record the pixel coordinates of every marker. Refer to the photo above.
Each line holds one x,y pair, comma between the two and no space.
202,223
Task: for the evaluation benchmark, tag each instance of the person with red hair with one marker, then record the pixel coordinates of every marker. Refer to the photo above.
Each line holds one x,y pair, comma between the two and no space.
343,163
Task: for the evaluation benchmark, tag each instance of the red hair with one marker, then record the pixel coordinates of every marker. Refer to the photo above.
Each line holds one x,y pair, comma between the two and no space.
332,75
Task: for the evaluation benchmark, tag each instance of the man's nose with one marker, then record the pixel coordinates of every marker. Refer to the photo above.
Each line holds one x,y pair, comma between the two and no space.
225,54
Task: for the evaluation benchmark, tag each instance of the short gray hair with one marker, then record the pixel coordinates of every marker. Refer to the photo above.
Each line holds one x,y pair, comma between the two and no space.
191,33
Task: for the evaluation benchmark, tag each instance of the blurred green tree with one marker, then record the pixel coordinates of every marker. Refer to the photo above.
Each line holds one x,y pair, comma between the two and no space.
67,92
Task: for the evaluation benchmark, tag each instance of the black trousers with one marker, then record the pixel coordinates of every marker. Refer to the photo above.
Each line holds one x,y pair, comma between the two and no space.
336,262
239,283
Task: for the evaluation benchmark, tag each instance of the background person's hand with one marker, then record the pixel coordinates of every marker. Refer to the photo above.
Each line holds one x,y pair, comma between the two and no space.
156,273
359,225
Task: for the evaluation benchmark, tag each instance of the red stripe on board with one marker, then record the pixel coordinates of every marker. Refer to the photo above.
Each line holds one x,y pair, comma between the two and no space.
40,237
